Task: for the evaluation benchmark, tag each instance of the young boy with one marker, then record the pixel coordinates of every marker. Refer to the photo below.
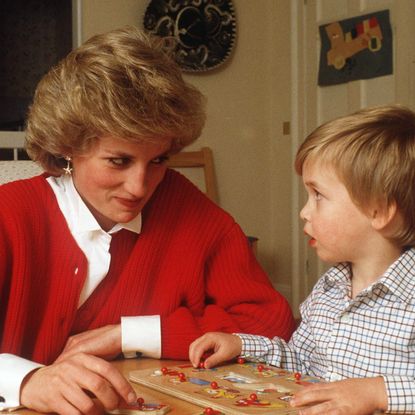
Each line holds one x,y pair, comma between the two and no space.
358,324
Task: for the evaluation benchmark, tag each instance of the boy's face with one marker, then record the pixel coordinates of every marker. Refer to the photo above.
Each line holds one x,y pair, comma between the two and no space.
338,230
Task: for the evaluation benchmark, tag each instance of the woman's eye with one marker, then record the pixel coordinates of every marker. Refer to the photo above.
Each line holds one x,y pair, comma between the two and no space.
160,160
119,161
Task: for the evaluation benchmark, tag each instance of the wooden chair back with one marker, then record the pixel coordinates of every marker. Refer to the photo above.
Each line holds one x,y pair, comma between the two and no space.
202,158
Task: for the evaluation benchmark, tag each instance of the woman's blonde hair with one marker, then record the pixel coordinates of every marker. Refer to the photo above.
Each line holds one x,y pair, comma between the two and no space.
373,153
122,83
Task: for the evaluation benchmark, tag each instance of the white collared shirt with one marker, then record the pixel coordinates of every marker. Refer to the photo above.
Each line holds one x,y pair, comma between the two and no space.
139,334
90,237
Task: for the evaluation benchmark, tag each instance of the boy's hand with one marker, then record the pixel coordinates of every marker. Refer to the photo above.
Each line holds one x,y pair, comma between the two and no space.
225,347
349,397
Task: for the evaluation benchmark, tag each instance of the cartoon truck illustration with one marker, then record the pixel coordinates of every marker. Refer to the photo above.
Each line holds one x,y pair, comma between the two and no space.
365,35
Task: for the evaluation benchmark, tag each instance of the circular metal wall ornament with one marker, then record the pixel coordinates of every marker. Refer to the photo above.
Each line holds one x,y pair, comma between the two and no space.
204,30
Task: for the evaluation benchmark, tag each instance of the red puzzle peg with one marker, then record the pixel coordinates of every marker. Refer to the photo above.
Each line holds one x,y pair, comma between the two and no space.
214,385
164,370
297,376
201,365
241,360
253,397
182,377
260,368
140,401
210,411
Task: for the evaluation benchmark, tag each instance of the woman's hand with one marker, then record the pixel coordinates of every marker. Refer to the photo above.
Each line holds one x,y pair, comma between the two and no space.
348,397
224,346
79,384
103,342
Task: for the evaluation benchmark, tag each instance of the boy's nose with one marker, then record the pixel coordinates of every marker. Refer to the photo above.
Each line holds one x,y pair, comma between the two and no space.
303,214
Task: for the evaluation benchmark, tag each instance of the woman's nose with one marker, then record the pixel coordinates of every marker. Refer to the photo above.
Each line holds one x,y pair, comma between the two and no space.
136,182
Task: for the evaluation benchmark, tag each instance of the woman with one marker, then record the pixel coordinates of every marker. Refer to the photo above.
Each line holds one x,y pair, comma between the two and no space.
110,252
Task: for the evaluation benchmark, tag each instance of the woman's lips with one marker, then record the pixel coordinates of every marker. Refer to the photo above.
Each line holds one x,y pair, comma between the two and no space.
131,204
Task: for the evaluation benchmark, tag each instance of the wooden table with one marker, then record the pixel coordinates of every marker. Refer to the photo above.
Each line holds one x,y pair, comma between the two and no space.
177,406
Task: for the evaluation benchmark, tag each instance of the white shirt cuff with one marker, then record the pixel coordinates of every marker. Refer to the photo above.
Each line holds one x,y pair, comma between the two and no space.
141,334
13,369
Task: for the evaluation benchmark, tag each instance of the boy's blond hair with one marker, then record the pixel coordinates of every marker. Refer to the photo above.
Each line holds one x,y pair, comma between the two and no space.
373,153
121,84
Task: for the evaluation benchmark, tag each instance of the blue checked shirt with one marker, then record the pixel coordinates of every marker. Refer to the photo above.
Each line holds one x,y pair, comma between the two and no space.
339,337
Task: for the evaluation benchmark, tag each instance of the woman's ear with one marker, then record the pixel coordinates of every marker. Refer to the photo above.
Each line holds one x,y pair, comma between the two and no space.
382,217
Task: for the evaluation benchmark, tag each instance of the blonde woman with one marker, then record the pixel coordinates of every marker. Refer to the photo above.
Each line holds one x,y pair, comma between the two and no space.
110,252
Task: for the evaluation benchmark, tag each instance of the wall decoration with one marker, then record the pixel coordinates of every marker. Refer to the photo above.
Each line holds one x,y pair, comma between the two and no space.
355,48
203,30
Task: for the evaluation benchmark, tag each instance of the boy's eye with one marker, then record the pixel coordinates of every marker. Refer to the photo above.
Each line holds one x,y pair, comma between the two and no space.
317,195
160,160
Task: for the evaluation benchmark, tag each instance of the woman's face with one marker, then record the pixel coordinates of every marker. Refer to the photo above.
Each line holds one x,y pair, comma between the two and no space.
116,177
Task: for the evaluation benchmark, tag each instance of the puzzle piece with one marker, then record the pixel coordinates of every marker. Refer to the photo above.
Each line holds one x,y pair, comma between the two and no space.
139,408
269,387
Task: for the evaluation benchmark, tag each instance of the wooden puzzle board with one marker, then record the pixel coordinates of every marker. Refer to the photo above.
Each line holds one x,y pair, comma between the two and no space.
235,385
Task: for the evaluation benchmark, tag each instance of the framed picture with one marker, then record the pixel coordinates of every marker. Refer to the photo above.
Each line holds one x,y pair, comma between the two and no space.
355,48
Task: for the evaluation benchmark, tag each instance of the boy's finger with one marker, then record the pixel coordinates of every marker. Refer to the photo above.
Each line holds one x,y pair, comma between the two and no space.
195,352
214,359
199,347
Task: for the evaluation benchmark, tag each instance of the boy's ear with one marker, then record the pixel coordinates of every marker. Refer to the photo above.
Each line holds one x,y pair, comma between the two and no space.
381,218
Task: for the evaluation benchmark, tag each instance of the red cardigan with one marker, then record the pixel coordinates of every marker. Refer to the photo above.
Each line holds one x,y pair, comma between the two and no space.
191,265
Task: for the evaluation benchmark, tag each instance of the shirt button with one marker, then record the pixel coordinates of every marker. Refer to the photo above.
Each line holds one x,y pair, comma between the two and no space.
335,376
345,318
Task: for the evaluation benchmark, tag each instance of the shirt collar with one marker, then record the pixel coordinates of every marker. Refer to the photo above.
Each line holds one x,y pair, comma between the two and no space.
399,278
84,220
337,276
133,225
